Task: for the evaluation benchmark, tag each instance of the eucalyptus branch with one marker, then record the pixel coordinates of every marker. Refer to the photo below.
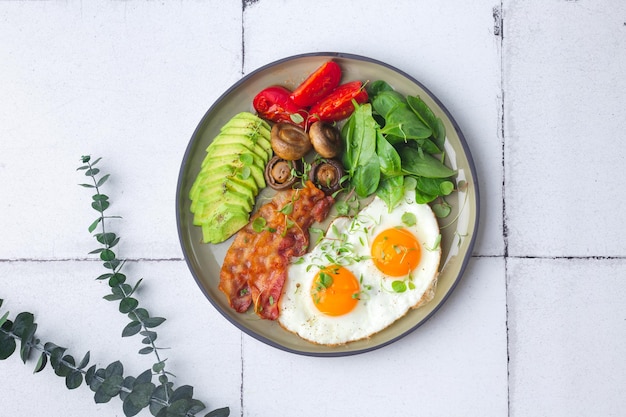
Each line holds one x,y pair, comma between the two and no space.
141,322
136,393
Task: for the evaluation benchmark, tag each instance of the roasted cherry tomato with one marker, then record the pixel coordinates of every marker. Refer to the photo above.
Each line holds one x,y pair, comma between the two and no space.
273,103
317,85
338,104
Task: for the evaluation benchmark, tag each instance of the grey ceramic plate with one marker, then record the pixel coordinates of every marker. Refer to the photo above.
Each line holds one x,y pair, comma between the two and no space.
205,260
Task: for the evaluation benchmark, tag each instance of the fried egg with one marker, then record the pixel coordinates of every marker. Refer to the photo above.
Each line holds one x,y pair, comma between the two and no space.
364,274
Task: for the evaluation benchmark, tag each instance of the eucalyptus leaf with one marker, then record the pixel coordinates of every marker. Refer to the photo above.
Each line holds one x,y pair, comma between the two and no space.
127,385
158,367
84,361
142,314
117,279
22,323
147,350
112,264
184,391
92,172
110,386
128,304
219,412
94,225
102,180
41,363
64,366
7,345
113,297
56,356
89,375
153,322
104,276
183,406
144,377
114,368
131,329
107,255
74,380
100,205
140,395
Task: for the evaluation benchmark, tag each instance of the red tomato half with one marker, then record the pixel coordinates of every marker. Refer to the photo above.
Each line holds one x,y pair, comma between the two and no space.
338,104
274,103
317,85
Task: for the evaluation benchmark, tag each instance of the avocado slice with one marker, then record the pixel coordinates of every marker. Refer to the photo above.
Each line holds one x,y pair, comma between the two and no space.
208,203
249,118
222,172
216,192
233,150
226,139
260,136
217,188
239,169
223,223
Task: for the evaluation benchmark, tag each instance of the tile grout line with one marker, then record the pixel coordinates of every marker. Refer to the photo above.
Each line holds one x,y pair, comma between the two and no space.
178,259
498,14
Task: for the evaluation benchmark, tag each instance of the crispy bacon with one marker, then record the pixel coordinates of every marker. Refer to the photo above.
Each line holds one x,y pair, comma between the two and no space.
255,266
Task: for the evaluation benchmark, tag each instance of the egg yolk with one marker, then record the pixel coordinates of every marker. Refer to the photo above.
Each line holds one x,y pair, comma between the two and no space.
396,252
335,290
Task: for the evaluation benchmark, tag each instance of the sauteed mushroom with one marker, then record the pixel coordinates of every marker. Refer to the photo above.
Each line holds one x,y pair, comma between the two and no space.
327,174
290,142
279,172
326,139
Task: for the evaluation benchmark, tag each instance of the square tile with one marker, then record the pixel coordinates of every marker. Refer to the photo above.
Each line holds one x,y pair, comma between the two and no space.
453,52
200,347
125,81
446,365
564,99
566,337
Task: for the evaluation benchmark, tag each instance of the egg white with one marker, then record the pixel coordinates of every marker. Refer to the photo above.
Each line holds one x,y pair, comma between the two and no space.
379,305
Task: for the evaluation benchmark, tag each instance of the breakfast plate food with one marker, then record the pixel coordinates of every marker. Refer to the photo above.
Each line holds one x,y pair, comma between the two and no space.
327,204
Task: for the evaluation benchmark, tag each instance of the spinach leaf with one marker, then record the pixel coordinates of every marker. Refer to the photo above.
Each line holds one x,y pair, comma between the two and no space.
360,158
376,87
422,164
391,190
435,186
423,198
401,121
427,116
388,157
366,178
385,101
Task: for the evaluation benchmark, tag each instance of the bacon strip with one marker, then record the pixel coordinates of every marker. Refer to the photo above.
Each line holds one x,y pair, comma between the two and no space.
255,266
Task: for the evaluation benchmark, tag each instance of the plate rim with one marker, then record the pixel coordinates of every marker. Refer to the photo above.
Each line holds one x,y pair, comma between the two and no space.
466,151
